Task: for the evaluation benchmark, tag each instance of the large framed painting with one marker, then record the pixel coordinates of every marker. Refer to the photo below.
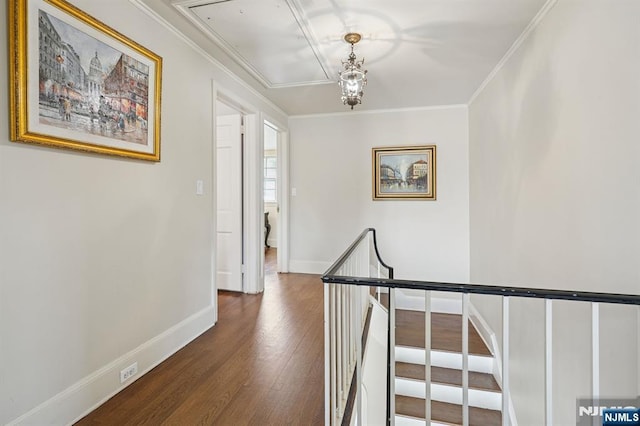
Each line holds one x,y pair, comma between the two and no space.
404,173
77,83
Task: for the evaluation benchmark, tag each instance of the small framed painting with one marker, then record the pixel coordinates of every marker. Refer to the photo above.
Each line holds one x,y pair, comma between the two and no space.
404,173
77,83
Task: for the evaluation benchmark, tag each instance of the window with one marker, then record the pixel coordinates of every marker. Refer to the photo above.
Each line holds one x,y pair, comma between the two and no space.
270,176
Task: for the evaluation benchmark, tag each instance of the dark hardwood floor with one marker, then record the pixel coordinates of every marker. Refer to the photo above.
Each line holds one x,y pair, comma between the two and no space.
261,364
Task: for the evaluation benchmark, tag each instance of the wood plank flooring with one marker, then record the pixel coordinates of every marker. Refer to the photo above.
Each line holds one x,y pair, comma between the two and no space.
261,364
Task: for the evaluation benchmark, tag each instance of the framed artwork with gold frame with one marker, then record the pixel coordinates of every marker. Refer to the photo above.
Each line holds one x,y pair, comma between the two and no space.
404,173
77,83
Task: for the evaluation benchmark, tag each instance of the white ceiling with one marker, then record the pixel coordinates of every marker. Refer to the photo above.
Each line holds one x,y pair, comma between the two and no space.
417,52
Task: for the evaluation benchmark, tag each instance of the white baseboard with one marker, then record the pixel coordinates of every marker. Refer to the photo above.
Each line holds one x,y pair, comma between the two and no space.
411,421
485,332
414,301
86,395
308,266
489,337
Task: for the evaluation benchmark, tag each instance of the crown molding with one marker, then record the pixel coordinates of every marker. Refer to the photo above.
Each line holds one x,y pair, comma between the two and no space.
542,13
162,21
380,111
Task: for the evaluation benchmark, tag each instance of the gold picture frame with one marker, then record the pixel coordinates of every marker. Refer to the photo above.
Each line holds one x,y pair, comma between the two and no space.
76,83
404,173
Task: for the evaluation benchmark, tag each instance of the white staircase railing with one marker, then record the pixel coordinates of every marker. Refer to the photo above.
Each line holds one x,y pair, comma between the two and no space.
347,300
346,308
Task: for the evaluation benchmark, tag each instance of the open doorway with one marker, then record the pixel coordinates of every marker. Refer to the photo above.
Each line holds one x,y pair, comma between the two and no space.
275,196
270,198
250,196
238,176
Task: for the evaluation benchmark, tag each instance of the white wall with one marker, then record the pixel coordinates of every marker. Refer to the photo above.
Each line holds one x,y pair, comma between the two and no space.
330,169
554,190
105,261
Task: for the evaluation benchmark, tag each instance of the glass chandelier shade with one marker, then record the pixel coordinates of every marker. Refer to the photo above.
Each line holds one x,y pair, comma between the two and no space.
352,78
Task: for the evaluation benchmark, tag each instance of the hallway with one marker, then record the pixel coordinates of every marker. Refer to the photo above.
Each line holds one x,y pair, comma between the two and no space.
261,364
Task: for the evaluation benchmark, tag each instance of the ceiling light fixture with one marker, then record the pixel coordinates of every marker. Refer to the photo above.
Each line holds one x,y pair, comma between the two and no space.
353,78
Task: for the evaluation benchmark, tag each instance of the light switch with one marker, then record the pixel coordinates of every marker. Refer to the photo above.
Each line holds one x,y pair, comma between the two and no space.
199,187
294,192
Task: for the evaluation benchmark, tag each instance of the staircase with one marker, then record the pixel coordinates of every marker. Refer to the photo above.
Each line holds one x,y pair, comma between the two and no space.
360,266
485,397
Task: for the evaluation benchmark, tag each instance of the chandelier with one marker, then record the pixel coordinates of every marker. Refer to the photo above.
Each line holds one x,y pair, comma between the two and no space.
353,78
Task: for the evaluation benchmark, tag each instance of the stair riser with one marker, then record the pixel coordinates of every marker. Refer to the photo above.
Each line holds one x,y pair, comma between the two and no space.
409,421
451,394
481,364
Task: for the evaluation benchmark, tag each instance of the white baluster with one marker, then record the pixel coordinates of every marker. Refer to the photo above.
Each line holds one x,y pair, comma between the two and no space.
327,354
358,341
595,353
465,359
427,357
335,344
505,361
392,355
548,362
340,355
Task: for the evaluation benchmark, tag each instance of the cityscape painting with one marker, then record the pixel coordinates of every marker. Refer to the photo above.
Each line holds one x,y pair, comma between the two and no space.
93,89
404,173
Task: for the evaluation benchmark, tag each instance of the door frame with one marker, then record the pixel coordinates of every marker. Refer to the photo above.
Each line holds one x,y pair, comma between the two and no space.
253,203
282,152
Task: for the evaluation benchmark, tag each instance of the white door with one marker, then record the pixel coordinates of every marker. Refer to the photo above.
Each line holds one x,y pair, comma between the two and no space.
229,188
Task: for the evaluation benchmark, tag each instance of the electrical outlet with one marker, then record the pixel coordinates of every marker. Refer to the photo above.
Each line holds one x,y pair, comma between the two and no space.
128,372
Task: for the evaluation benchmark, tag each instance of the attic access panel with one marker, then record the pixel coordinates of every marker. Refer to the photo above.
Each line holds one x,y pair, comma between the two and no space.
264,37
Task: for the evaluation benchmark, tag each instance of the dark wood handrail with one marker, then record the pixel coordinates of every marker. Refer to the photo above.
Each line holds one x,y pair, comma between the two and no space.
338,263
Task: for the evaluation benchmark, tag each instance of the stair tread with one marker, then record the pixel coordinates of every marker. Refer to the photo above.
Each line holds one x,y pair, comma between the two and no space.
448,376
445,412
446,332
